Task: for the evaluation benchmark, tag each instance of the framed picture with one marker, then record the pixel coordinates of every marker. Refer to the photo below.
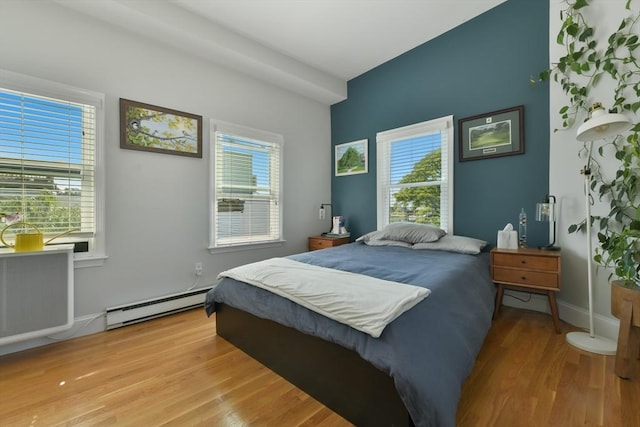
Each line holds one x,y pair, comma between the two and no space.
352,158
495,134
161,130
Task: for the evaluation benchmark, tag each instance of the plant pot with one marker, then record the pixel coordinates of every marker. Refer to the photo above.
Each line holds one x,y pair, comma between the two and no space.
625,305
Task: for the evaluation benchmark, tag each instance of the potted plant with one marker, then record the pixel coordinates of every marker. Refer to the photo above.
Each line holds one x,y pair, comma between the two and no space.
578,71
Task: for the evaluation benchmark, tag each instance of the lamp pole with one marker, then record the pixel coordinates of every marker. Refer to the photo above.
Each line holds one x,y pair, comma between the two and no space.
582,340
587,189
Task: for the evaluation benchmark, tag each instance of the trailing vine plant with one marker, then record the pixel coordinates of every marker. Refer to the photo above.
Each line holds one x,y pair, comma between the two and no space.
583,66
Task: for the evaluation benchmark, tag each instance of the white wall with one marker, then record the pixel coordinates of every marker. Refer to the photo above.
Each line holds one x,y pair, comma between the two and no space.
156,204
566,182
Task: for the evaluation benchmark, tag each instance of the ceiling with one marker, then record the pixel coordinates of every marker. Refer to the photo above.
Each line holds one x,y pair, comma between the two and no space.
312,47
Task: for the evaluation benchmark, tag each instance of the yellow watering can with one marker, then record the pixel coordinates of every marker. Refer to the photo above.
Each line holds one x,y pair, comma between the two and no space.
29,242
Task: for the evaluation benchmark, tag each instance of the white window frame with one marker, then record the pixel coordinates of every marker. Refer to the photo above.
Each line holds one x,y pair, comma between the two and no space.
36,86
383,152
248,133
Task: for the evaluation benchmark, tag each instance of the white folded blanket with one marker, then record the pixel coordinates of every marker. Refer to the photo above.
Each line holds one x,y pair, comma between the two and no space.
365,303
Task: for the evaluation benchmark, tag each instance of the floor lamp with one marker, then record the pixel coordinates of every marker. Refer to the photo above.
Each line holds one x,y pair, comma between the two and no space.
600,125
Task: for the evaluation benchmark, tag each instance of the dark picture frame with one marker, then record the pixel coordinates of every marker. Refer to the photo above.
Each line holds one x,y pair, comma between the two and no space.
149,127
495,134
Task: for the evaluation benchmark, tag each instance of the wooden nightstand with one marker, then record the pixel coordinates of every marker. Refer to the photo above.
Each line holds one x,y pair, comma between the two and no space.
322,242
528,270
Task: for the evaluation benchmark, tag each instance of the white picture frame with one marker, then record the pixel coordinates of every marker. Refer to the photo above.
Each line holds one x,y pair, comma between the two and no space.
352,158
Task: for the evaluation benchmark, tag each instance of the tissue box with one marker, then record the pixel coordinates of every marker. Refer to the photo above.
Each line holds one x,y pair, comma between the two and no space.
507,239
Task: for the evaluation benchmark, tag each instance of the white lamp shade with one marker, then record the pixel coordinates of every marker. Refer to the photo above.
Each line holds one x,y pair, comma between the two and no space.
602,125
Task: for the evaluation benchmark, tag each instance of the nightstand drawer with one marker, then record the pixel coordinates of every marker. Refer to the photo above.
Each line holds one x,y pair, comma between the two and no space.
323,242
315,244
526,277
526,261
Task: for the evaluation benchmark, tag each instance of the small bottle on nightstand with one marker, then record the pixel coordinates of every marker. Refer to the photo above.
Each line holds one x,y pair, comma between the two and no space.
522,229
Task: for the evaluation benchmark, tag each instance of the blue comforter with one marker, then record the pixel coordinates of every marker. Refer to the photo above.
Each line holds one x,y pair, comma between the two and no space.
428,351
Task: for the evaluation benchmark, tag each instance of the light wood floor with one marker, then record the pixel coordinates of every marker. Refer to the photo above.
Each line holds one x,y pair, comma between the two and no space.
175,371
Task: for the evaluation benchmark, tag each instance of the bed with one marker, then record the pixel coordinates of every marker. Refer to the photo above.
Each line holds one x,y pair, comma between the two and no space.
411,375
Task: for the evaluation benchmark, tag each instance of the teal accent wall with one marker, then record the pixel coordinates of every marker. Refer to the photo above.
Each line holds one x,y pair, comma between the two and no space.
481,66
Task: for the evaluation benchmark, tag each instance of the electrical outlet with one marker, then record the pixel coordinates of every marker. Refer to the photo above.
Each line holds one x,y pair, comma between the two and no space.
198,269
321,214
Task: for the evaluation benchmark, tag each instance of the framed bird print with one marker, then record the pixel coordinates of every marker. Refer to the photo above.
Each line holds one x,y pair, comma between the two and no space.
162,130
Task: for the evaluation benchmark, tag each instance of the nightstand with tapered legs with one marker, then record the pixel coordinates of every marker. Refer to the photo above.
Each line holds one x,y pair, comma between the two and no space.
527,270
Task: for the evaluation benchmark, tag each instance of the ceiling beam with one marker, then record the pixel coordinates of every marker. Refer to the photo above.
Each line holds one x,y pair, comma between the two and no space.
176,27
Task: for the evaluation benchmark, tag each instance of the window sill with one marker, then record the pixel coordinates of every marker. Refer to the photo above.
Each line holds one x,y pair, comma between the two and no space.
247,247
82,260
96,260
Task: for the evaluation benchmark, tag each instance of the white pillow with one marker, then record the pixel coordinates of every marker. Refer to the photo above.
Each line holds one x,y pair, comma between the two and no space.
451,243
405,232
387,243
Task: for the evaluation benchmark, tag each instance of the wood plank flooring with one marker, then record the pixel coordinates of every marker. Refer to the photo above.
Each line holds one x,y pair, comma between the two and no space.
175,371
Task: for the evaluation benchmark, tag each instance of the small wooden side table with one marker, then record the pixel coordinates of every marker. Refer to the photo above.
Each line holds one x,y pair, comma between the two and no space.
625,305
528,270
323,242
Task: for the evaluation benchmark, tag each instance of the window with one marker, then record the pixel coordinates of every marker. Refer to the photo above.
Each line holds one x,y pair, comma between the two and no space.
50,136
415,174
246,186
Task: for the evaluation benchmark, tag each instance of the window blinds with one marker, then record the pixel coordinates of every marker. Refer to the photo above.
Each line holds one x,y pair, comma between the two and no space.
47,161
414,174
247,188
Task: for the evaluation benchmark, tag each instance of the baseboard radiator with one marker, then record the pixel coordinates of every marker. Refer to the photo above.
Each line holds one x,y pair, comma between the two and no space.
137,312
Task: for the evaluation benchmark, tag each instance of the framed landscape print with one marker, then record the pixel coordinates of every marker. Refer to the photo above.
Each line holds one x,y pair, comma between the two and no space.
494,134
162,130
351,158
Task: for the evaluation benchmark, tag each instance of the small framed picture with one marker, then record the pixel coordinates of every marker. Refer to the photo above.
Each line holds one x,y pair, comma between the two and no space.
351,158
494,134
162,130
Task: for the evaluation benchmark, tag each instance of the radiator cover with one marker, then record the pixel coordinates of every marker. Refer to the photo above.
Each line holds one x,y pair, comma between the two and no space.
36,293
128,314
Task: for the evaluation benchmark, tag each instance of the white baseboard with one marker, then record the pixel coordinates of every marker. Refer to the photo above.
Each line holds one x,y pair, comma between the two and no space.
84,325
536,303
574,315
577,316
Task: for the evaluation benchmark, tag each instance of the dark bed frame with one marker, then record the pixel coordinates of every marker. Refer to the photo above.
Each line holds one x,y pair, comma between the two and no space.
332,374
